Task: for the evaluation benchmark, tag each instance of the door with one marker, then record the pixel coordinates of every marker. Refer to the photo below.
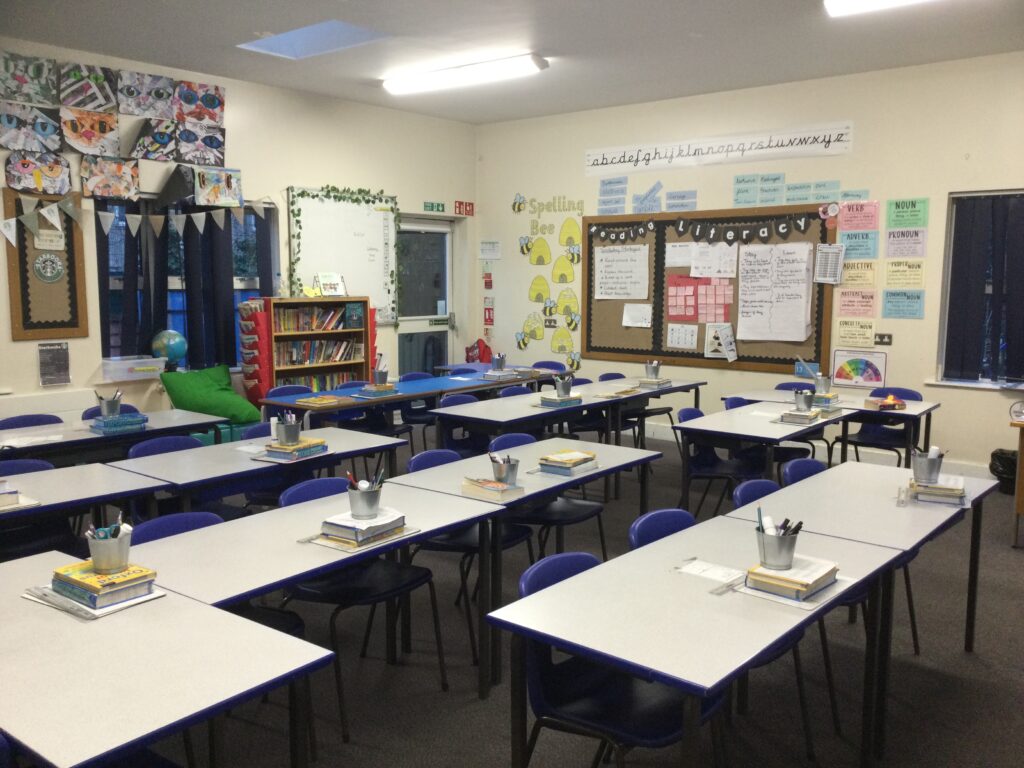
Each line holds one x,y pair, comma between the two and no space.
424,295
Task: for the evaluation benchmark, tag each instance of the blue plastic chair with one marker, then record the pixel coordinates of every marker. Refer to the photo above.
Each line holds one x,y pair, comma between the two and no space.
172,525
583,697
92,413
801,469
164,444
265,493
417,411
756,454
553,515
33,537
30,420
879,430
471,443
658,524
463,371
550,365
366,583
611,376
750,491
514,389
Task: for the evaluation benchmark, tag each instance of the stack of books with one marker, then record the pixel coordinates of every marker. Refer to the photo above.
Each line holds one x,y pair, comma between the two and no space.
825,399
320,401
501,375
347,530
807,576
303,449
490,490
377,390
118,425
890,403
567,462
800,417
554,401
654,383
11,498
79,582
948,489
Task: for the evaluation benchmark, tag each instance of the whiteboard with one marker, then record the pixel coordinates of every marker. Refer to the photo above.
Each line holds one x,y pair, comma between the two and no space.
356,240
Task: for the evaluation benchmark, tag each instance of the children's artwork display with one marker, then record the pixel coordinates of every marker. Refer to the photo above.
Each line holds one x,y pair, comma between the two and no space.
110,177
41,172
199,102
857,368
219,186
145,95
200,144
91,133
85,86
28,79
157,140
33,129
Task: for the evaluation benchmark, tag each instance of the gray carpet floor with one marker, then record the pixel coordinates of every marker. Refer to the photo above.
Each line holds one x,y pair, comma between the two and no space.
946,707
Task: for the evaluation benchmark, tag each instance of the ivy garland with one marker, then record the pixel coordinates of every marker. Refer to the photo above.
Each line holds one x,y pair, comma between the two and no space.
343,195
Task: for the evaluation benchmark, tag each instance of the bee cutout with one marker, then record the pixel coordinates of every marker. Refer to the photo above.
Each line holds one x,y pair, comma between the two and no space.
525,245
522,340
550,308
573,361
573,254
518,203
572,322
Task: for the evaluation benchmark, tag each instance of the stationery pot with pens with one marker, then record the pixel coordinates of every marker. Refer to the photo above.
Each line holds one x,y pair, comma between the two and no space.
364,496
776,545
108,547
288,430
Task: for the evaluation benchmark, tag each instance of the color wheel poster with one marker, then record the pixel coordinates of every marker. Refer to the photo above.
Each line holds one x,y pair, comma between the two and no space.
857,368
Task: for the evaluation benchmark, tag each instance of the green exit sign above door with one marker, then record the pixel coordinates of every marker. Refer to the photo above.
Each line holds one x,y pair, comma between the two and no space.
434,207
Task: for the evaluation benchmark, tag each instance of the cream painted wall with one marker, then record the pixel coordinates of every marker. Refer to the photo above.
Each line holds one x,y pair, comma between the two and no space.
278,138
919,132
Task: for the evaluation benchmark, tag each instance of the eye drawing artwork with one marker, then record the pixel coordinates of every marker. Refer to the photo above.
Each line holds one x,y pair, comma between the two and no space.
91,133
28,79
145,95
157,141
43,172
29,128
199,102
201,144
85,86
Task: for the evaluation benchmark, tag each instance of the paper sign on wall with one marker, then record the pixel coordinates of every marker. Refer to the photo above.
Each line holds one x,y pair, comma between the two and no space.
679,254
828,263
490,250
860,245
775,292
907,213
637,315
909,243
719,341
856,303
714,260
621,272
904,273
903,304
681,336
858,273
858,215
856,333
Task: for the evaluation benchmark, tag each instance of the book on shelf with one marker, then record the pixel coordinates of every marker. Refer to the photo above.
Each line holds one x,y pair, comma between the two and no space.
102,599
303,449
808,576
490,490
654,383
82,575
800,417
554,401
354,315
344,526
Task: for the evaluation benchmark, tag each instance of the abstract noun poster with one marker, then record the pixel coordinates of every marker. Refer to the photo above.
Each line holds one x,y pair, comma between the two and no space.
857,368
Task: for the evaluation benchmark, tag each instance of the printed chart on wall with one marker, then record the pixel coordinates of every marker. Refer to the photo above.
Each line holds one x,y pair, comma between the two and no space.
733,288
857,368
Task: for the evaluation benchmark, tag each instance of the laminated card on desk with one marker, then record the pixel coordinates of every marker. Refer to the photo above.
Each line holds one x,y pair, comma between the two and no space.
45,595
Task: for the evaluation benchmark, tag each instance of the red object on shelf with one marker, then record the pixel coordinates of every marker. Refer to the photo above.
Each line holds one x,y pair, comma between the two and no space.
371,335
258,382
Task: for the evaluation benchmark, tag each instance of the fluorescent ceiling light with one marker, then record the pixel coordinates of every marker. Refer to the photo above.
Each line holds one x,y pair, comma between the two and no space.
851,7
314,40
469,74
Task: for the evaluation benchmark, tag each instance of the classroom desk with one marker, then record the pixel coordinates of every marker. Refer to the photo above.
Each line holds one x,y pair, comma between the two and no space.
855,402
244,558
754,423
72,439
638,614
230,467
77,692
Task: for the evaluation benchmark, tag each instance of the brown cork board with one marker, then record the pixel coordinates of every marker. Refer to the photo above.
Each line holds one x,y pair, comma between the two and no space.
604,337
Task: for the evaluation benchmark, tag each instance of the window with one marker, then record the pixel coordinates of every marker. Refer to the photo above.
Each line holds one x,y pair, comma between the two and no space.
187,281
984,311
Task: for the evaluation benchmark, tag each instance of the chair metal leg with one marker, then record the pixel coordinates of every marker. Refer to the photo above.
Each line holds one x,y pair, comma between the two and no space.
721,498
826,657
529,548
307,686
742,693
534,733
366,632
437,635
472,634
910,610
805,714
337,675
601,747
600,533
851,615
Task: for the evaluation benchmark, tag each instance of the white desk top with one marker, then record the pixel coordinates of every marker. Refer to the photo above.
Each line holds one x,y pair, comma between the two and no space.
448,478
76,690
211,462
858,501
637,611
252,555
756,422
849,399
78,431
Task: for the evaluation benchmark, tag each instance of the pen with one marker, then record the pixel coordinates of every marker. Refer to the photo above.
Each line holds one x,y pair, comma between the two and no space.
760,520
796,528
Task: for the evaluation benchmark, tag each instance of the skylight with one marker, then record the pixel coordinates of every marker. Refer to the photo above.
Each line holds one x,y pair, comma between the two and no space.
314,40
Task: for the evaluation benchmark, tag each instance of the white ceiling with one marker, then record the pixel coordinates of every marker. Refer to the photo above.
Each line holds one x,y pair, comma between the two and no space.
602,52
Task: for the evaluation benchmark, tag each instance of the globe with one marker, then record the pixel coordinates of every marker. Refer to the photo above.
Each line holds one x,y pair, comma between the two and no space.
172,345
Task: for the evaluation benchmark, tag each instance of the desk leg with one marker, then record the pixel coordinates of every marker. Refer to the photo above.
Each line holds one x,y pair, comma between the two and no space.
404,607
926,444
609,426
215,739
691,732
972,576
497,599
391,623
843,437
769,461
393,462
298,728
909,447
517,687
618,441
684,495
644,473
216,435
483,628
186,502
869,700
884,655
696,397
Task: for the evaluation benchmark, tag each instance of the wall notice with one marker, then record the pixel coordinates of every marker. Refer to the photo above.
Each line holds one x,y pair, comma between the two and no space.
775,292
860,245
904,273
858,273
901,214
856,333
908,305
909,243
682,336
854,302
858,215
621,272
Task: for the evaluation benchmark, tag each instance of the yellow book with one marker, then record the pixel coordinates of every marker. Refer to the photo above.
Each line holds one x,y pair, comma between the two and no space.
302,445
82,575
568,458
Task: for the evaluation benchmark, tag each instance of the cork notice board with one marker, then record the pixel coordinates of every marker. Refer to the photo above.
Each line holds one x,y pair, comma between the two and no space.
642,260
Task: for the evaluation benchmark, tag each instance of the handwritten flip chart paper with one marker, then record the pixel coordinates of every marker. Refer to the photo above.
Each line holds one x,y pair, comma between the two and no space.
713,260
828,263
775,292
637,315
854,302
856,333
902,214
904,273
681,296
860,245
681,336
908,243
859,273
621,272
858,216
679,254
907,305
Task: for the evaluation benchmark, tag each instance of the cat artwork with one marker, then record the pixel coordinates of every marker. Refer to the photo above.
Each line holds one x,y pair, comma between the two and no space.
46,173
157,141
199,103
28,79
30,128
84,86
200,144
110,177
218,186
145,95
91,133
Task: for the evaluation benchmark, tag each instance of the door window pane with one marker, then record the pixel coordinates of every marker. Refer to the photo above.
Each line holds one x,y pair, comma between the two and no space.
422,274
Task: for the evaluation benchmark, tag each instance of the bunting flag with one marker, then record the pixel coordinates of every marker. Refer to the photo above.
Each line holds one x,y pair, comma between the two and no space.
178,220
239,214
106,220
133,220
10,229
199,219
218,217
157,223
52,215
67,205
28,204
257,207
31,221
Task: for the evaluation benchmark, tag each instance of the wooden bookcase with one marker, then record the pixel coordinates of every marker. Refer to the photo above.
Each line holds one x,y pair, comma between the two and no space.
321,342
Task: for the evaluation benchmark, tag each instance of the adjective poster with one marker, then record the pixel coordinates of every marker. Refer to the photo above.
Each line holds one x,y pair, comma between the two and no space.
858,273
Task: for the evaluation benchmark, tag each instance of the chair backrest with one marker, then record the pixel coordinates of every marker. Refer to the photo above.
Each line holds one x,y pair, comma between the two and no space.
514,389
435,457
92,413
579,380
795,386
462,371
550,365
460,398
171,525
611,376
553,569
6,759
736,402
30,420
510,440
316,488
355,384
282,391
799,469
657,525
257,430
415,376
751,490
901,392
23,466
165,444
686,414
